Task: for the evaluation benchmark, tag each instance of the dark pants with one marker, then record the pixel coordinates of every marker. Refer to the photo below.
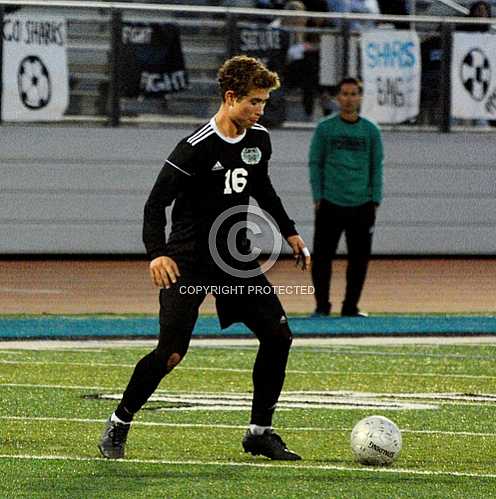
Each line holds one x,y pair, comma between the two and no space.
357,223
261,312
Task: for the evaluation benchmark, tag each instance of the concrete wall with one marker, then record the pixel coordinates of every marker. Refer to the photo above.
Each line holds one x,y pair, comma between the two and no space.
82,189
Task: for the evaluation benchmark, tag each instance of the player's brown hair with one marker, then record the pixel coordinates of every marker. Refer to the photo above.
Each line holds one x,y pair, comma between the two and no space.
241,74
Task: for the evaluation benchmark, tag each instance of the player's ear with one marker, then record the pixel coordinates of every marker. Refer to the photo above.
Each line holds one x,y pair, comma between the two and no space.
230,98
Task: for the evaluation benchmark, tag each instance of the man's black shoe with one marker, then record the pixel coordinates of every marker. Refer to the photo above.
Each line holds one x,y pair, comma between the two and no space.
317,315
323,311
113,440
269,444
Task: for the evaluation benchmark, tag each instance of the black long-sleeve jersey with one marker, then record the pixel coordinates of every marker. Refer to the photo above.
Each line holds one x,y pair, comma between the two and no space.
206,174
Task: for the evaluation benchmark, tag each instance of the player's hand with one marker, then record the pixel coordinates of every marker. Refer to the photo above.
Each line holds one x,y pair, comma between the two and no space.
164,271
300,252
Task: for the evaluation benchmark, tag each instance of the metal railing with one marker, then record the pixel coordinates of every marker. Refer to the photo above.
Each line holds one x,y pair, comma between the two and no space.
230,16
240,11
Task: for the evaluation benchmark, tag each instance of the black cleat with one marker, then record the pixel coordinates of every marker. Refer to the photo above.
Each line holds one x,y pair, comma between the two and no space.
270,445
113,440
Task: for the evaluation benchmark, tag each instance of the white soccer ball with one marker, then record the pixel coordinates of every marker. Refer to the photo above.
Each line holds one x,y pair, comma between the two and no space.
33,82
376,440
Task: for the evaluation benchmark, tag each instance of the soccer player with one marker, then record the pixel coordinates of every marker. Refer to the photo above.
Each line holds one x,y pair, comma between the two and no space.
212,173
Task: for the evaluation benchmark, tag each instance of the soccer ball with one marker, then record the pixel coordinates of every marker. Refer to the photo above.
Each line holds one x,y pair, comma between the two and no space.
476,74
33,82
376,440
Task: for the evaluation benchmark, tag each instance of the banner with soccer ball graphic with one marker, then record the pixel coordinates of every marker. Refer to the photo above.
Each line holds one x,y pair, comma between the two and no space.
473,76
35,73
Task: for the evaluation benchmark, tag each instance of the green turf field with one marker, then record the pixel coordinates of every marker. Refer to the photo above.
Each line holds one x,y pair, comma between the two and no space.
187,440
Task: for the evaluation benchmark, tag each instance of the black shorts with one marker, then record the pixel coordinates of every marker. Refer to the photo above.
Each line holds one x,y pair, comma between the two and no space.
251,301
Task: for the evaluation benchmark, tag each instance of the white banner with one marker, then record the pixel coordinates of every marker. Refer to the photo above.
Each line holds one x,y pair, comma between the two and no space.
473,76
391,69
35,74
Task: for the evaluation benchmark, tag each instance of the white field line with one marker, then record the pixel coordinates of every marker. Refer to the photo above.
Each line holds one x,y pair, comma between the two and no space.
438,400
31,291
239,370
62,350
404,471
240,342
239,427
384,353
287,401
61,387
9,349
332,349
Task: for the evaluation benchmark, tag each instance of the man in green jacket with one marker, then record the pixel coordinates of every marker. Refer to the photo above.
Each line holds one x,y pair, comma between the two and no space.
346,175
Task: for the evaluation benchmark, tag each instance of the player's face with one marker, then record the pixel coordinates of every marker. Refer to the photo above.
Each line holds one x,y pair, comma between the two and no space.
247,110
349,98
481,11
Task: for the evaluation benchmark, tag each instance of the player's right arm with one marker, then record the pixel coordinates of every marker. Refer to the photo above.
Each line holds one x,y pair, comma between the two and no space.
172,179
164,271
316,163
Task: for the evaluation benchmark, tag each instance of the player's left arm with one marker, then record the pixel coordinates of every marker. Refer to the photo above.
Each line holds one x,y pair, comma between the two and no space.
376,166
300,251
268,200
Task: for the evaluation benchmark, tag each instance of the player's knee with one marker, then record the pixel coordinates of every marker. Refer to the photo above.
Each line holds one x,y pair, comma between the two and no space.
166,361
281,335
173,361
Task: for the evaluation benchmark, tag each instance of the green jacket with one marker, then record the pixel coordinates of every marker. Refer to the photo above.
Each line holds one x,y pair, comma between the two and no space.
346,162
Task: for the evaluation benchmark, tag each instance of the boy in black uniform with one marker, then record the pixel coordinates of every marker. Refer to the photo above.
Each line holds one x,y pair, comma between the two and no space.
211,174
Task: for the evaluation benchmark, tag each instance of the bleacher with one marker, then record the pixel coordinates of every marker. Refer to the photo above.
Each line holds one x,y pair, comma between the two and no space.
89,43
88,59
204,40
204,48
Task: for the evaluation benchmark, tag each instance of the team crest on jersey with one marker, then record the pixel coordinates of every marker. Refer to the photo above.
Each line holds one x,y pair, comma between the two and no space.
251,155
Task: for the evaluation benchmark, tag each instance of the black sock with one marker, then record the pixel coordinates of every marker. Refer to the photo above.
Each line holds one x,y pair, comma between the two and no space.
123,414
147,375
268,379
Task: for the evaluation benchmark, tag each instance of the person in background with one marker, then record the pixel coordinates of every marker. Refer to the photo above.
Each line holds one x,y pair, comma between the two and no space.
303,68
270,4
346,176
290,35
478,9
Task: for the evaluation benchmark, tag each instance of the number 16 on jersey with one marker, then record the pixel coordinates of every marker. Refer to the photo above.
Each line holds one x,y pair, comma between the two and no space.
235,180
